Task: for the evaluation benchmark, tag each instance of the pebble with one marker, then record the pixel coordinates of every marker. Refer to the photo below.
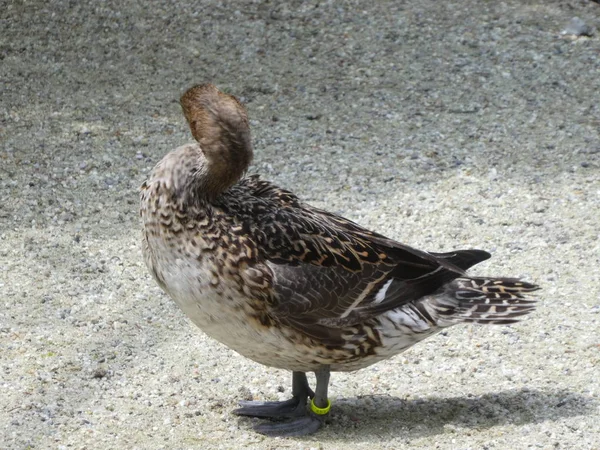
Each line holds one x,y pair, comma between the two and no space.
577,27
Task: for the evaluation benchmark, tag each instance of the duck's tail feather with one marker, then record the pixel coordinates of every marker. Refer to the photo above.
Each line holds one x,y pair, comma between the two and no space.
464,259
498,301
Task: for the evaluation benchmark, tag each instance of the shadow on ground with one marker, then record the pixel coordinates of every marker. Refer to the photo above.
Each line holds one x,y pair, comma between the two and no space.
380,415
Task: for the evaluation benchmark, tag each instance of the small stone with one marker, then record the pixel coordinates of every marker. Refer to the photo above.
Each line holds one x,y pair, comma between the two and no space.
577,27
100,372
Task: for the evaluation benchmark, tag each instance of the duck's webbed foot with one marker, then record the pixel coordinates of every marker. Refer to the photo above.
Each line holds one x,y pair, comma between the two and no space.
294,407
300,426
302,421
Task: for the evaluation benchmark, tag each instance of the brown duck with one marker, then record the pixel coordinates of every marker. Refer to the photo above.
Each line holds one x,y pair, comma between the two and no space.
289,285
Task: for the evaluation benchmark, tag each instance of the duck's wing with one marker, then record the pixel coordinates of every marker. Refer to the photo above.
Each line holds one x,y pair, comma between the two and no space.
329,272
293,232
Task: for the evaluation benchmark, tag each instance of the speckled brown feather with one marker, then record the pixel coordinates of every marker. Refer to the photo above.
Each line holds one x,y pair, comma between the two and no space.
327,269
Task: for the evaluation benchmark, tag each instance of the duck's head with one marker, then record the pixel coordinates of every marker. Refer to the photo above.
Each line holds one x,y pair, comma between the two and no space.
219,123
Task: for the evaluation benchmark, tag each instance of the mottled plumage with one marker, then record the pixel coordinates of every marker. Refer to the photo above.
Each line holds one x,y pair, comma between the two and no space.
289,285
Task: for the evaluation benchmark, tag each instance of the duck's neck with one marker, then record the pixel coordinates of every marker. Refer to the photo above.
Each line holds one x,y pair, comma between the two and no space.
225,157
220,125
193,179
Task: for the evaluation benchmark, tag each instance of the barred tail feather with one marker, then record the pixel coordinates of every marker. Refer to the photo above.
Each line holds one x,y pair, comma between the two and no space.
498,301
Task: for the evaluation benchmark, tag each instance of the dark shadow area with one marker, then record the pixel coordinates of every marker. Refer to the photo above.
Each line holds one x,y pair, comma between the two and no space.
380,415
432,414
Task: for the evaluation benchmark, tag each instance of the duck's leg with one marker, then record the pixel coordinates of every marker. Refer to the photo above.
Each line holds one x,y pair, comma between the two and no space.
294,407
303,422
320,404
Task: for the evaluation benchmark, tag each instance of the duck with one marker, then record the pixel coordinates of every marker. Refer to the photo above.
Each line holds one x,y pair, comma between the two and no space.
289,285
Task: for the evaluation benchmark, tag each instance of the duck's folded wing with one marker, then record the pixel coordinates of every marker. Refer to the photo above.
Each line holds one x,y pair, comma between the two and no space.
328,272
310,295
336,275
333,297
292,232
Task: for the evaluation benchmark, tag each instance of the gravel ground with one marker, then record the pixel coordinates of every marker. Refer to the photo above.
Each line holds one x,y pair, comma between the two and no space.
444,125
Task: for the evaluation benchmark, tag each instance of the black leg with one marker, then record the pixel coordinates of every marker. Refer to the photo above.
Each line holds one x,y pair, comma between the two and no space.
320,399
300,387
